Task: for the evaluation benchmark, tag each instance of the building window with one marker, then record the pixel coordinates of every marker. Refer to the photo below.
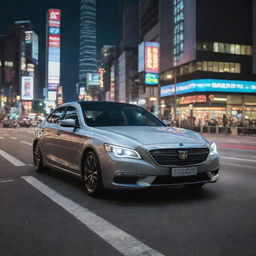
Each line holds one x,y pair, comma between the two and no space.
217,47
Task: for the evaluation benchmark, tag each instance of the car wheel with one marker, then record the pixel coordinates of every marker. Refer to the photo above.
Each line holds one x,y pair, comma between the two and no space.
194,186
92,174
38,160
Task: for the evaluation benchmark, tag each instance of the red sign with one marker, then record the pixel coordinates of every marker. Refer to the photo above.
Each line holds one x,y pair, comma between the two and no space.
151,59
193,99
54,18
54,40
101,71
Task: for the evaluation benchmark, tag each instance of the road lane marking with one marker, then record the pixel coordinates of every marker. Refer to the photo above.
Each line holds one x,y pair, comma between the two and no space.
25,142
6,180
238,159
117,238
1,138
16,162
14,138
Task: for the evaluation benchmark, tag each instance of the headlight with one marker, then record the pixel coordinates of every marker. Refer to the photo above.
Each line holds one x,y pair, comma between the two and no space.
213,149
122,152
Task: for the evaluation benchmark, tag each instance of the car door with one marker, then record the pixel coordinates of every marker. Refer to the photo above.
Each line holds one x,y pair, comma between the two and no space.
50,131
71,142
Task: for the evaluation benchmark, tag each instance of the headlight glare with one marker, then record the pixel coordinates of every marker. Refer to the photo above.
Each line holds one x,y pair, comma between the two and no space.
213,149
122,152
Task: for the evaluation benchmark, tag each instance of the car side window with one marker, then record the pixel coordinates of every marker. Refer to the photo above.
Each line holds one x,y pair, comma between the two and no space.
56,115
71,113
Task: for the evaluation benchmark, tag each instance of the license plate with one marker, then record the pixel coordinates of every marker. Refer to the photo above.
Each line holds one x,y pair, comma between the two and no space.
185,171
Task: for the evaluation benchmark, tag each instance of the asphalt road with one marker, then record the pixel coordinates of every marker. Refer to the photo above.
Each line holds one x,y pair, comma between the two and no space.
50,214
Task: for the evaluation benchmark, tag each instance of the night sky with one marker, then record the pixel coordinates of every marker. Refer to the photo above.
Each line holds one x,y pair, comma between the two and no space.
35,11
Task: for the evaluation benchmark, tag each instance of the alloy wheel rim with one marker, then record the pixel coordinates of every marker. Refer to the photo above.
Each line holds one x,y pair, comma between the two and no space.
91,173
37,157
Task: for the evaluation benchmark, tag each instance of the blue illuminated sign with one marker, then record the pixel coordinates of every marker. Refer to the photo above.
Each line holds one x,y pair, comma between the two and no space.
151,78
54,31
209,85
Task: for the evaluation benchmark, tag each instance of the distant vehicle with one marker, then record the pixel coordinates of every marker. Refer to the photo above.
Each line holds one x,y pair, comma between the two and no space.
25,122
10,123
122,146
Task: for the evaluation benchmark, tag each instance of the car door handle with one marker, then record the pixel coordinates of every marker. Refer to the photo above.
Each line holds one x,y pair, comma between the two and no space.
58,132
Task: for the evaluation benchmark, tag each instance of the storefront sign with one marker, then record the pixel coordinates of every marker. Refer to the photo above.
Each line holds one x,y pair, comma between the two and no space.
151,78
209,85
193,99
151,58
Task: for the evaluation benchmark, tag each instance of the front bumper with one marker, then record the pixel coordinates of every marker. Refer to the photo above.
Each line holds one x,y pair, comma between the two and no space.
127,173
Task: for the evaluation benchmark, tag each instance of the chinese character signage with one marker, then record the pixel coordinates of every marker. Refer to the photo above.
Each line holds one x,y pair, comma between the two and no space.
151,57
151,78
53,50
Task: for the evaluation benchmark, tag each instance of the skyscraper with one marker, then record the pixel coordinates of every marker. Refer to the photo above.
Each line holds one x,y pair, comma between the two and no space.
87,55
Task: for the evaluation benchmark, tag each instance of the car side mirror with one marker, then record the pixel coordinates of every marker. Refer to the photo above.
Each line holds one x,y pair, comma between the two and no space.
68,123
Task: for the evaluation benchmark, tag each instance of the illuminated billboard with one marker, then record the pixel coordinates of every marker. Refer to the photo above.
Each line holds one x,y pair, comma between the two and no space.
151,78
53,50
93,79
209,85
27,88
148,57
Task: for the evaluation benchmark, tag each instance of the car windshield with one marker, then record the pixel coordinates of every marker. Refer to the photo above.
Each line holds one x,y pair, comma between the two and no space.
116,114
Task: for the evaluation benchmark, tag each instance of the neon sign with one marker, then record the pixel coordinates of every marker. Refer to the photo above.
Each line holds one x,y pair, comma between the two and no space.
151,78
209,85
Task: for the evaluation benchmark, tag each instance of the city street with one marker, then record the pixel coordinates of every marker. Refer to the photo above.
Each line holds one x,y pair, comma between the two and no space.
51,214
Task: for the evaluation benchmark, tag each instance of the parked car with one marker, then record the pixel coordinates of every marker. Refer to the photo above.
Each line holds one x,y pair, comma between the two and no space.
121,146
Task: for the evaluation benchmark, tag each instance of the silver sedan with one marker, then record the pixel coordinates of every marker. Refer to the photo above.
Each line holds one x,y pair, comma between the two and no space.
121,146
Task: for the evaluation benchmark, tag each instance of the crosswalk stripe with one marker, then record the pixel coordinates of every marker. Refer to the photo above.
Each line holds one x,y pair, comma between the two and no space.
117,238
14,138
16,162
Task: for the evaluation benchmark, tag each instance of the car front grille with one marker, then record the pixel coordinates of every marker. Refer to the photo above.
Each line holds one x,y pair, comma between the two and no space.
167,157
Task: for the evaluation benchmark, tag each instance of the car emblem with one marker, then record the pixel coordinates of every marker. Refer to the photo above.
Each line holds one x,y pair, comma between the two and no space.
183,155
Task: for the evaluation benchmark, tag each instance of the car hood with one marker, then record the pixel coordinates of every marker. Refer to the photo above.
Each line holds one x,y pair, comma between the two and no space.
148,135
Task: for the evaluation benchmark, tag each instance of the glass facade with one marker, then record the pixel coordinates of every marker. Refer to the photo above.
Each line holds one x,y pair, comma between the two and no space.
87,53
178,37
203,66
217,47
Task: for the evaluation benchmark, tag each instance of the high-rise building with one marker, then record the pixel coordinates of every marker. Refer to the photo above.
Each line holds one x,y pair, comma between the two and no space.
19,78
206,57
87,53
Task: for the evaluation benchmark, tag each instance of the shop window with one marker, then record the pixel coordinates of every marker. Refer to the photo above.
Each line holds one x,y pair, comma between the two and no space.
221,67
226,67
232,67
237,68
191,67
204,65
210,66
215,67
199,65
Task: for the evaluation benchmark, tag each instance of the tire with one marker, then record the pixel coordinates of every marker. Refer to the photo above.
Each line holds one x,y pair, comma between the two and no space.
92,174
38,160
195,186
